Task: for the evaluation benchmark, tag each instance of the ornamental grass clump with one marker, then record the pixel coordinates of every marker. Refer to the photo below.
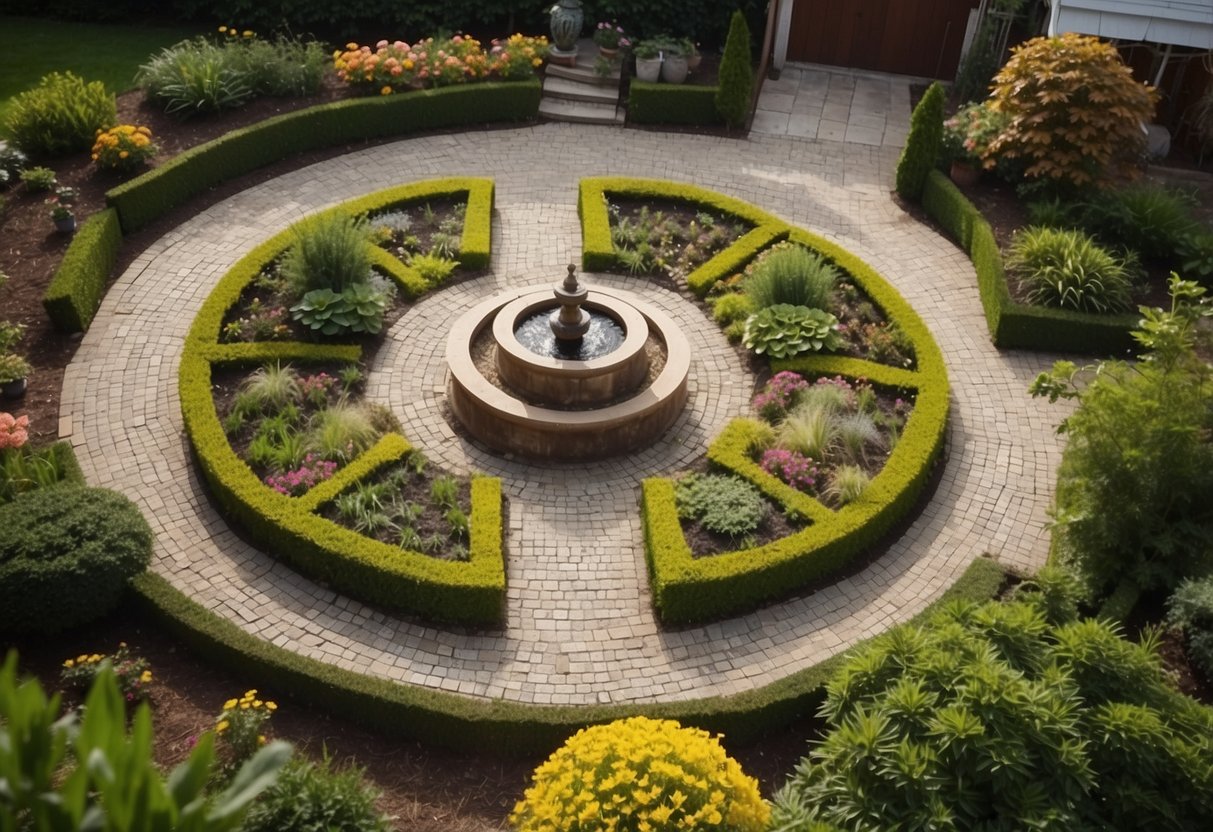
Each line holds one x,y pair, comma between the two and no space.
793,275
641,773
1067,269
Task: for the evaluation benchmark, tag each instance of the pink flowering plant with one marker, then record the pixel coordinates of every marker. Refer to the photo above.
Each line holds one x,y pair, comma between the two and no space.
316,388
297,481
775,399
792,467
610,35
14,431
387,68
454,60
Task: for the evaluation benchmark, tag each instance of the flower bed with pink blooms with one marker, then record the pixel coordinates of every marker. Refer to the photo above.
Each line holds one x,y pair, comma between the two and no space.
24,467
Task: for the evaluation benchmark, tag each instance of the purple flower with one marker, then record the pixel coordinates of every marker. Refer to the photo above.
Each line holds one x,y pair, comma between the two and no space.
791,467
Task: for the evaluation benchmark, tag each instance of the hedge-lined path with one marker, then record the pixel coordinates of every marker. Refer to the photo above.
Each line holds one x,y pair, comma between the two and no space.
580,629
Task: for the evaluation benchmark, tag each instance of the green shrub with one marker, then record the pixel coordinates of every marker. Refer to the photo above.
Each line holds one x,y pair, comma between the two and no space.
38,179
1191,609
731,307
433,269
27,468
66,554
1132,490
993,717
61,115
316,797
282,67
922,145
736,74
723,504
1151,220
1067,269
793,275
783,331
75,292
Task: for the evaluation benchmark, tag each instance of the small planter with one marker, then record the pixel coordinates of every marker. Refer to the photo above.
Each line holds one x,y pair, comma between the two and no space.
693,61
964,174
648,69
13,389
609,52
674,69
65,224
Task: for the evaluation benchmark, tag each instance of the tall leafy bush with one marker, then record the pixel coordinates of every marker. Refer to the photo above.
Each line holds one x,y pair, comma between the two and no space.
1075,110
1137,471
736,74
996,717
60,115
317,797
922,145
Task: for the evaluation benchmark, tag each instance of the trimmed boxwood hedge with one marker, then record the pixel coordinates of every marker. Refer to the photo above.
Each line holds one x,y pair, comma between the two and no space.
470,592
470,724
66,554
650,103
687,589
146,197
74,293
1016,325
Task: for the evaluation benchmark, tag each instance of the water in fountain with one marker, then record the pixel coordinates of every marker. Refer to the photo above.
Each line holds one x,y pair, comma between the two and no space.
602,338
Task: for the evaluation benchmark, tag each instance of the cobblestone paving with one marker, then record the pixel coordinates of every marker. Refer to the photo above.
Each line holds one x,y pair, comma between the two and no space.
580,628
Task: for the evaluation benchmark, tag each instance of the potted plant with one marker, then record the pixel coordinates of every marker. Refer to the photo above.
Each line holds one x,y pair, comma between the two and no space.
648,60
66,195
966,141
692,52
65,220
673,61
610,38
14,371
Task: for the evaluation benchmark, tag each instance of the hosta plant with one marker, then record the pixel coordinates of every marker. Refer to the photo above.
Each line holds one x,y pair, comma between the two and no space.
641,773
783,330
1074,111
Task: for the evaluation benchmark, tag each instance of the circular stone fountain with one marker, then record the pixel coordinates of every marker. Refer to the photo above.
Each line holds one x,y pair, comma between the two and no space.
573,367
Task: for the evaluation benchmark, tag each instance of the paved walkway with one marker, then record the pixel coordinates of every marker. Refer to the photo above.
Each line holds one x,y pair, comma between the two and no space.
580,628
836,105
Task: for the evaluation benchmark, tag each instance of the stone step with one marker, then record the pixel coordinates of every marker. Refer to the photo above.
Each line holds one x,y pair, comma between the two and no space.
583,112
584,74
569,90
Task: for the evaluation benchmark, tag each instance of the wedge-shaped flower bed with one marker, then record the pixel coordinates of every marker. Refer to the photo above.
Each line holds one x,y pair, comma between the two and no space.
292,525
688,588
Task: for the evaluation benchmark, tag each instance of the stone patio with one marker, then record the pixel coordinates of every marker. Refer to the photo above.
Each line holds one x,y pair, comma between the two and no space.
580,628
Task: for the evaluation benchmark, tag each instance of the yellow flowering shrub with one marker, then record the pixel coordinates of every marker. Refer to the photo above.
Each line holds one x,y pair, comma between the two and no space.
517,57
124,148
641,775
242,725
132,671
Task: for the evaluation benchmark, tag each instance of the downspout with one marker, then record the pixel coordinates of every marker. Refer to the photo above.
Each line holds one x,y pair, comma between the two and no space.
1054,14
764,59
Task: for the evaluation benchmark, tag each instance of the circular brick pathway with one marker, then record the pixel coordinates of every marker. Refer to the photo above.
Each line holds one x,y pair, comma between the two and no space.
580,628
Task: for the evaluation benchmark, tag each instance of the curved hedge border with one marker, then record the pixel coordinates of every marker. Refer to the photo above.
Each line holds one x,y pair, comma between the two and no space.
469,592
1016,325
146,197
687,589
74,293
452,720
651,103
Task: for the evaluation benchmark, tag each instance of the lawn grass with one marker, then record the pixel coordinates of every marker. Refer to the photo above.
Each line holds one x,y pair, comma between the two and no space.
31,47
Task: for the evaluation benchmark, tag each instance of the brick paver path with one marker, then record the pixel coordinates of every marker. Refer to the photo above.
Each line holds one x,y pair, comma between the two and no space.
580,628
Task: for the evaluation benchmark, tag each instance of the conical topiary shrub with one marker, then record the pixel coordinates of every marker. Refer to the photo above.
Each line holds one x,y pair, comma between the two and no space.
736,74
922,145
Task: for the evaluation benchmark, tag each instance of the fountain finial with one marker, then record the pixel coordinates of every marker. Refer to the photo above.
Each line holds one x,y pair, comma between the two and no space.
570,321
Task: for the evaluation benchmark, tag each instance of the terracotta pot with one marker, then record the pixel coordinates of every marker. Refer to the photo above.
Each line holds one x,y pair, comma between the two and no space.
693,62
964,174
610,53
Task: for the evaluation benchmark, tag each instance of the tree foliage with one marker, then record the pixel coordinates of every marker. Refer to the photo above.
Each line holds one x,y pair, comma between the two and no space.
736,74
1004,716
1136,474
1075,112
922,145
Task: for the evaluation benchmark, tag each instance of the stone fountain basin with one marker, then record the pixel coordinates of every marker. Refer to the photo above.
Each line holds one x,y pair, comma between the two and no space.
508,424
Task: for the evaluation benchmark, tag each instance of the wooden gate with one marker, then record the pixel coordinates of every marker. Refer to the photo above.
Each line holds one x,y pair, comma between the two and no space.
910,37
